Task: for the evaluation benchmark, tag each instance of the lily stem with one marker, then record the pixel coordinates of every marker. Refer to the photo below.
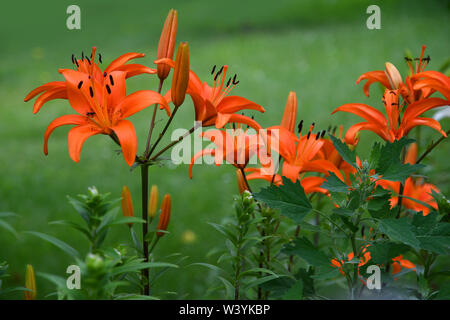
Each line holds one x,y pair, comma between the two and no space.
431,147
164,130
144,187
152,124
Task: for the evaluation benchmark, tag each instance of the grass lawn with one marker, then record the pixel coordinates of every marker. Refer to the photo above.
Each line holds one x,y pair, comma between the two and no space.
316,48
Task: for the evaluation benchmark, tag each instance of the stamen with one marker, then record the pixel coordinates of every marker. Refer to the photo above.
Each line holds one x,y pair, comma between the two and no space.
100,58
82,55
88,60
76,62
91,92
213,69
73,58
323,133
108,89
104,74
228,82
300,126
218,73
80,84
111,80
309,134
234,80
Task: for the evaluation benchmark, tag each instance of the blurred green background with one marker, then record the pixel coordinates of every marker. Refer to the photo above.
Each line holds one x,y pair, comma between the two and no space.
317,48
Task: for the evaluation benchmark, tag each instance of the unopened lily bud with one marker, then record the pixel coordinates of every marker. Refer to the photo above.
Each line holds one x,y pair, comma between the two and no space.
30,283
166,44
242,186
290,112
164,217
394,77
180,74
127,203
153,202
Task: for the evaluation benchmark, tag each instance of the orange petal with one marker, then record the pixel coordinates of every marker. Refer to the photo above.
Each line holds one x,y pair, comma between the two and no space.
411,154
45,87
424,122
290,112
124,130
77,136
364,111
199,155
134,69
138,101
120,61
350,136
232,104
73,119
55,93
374,76
223,119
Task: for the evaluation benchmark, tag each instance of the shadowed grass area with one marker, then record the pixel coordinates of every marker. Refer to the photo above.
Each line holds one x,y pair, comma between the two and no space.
316,48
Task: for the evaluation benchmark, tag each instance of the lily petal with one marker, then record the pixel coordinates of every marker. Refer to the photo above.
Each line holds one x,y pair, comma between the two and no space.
138,101
55,93
77,136
120,61
232,104
73,119
124,130
200,154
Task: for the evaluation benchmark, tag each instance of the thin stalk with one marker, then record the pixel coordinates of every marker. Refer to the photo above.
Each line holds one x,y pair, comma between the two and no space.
152,124
431,148
170,145
144,189
164,130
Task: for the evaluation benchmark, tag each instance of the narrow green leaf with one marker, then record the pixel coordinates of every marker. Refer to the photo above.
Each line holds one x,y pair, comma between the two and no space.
56,242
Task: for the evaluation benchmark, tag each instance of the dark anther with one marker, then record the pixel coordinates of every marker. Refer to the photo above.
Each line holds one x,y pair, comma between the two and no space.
111,80
104,74
213,69
334,130
253,117
100,58
76,62
300,126
228,82
408,59
318,136
234,126
309,134
234,80
108,89
91,92
80,84
88,60
90,114
82,55
323,133
218,73
329,128
73,58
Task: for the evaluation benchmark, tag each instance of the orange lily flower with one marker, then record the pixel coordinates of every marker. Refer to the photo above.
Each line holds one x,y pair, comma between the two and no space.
213,105
234,146
58,89
413,188
433,80
391,129
330,153
398,263
391,79
102,107
302,154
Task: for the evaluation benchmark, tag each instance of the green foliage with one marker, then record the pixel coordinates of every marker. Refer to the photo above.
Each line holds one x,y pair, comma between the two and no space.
289,198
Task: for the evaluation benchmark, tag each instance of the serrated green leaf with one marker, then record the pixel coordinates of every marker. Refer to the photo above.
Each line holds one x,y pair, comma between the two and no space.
304,249
347,155
289,198
399,230
295,292
384,251
334,184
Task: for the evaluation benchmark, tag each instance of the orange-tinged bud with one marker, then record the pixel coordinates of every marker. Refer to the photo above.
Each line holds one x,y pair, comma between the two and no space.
166,44
394,77
242,186
127,203
164,217
290,112
411,154
180,74
153,202
30,283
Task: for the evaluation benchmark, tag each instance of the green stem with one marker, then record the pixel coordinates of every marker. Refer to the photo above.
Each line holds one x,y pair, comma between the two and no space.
144,189
164,130
431,147
152,124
